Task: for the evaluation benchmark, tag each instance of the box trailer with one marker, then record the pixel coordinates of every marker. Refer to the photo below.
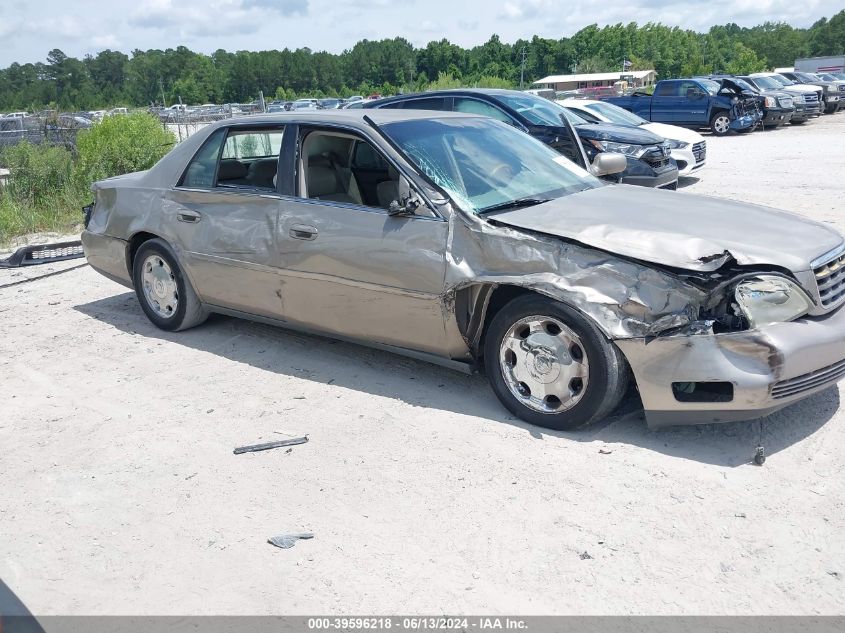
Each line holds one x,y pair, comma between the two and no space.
832,64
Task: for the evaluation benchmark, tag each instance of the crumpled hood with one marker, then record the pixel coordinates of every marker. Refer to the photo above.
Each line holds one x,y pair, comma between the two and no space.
678,230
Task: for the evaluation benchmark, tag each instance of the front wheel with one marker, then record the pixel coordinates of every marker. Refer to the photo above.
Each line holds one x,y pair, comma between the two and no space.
165,294
720,124
550,366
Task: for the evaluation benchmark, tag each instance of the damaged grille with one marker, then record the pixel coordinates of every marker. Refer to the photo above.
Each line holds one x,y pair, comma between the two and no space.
657,156
748,107
699,150
806,382
830,279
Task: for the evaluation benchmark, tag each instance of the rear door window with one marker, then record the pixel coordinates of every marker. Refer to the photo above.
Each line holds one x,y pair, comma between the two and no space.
201,170
250,158
667,89
236,158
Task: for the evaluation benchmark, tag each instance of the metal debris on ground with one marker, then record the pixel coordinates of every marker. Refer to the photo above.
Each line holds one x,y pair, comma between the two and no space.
760,455
604,452
266,447
584,556
286,541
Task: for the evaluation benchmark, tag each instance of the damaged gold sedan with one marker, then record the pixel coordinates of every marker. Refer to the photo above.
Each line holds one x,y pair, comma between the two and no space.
460,240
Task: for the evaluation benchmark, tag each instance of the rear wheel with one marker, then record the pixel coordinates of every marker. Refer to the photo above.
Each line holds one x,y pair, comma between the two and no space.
720,124
550,366
165,294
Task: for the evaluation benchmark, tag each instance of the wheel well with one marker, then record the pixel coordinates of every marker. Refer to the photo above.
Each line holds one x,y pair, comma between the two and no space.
501,296
134,244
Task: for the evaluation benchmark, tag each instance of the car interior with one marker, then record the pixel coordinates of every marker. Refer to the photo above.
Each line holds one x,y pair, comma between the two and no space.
250,159
344,168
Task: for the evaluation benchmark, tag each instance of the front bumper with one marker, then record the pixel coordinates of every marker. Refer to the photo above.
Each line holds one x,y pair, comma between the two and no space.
687,160
777,116
813,109
744,122
641,173
769,368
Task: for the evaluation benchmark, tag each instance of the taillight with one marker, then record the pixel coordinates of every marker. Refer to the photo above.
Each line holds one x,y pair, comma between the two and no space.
87,210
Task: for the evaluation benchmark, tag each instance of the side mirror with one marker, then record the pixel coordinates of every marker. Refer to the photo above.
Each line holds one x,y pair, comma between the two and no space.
403,199
607,163
406,206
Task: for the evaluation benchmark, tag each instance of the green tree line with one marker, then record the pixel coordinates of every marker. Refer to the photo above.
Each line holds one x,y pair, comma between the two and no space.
113,78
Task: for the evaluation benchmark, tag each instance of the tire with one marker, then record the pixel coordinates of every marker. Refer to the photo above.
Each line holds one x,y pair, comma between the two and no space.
720,123
798,122
592,382
165,294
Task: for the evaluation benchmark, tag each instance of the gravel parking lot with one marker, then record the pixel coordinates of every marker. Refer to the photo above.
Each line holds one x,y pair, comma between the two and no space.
121,494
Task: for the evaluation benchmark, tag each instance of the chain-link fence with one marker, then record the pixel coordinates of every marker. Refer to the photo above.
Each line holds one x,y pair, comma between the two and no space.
184,122
57,130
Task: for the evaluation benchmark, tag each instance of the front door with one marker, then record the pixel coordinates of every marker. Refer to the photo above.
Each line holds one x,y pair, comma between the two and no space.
348,267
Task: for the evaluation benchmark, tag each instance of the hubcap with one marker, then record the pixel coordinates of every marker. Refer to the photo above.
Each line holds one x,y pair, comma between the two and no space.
159,285
722,124
544,364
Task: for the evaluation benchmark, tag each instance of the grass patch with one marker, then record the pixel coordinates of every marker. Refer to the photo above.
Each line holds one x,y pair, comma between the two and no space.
62,214
48,185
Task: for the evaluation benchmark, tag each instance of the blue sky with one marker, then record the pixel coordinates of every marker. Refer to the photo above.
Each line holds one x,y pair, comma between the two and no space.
28,30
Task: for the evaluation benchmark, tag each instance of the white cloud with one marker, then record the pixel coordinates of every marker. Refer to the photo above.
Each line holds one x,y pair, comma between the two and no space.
104,41
527,9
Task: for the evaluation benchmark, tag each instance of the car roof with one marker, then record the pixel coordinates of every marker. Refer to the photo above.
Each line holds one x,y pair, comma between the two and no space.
349,117
571,101
451,92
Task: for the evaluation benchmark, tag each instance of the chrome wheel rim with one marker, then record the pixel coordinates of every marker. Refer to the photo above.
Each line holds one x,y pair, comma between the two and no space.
722,124
544,364
159,285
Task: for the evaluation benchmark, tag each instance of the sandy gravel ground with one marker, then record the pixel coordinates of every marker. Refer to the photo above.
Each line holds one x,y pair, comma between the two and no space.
120,493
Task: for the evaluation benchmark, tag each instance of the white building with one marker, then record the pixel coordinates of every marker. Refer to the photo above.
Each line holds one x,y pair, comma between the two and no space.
635,79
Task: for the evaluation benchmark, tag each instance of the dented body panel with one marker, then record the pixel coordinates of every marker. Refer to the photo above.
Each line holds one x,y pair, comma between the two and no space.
643,265
769,367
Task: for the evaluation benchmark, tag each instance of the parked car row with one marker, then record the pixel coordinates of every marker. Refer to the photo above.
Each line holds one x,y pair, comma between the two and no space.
312,104
730,103
587,133
53,128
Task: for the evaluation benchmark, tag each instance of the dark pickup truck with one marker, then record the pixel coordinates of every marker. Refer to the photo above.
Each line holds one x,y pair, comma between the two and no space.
721,105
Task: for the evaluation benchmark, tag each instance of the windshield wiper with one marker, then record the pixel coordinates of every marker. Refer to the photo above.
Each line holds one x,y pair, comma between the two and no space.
514,204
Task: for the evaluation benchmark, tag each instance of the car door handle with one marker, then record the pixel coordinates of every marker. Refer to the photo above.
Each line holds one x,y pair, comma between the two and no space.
191,217
303,232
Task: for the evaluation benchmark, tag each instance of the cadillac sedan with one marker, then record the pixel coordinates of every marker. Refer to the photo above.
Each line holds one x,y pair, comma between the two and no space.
460,240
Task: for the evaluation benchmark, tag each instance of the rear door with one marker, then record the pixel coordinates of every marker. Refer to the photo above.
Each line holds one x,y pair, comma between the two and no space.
224,212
